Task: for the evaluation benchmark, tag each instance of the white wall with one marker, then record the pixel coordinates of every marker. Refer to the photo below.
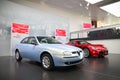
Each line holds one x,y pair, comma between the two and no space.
112,45
39,16
4,40
76,20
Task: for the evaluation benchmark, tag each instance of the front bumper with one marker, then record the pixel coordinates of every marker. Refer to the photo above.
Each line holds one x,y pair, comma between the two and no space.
67,61
103,53
97,53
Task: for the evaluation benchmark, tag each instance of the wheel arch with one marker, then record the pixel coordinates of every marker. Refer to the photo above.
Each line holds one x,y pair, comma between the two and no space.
51,65
88,50
16,50
85,47
45,52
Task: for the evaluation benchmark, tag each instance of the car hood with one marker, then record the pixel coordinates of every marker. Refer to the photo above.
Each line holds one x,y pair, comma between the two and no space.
97,45
61,47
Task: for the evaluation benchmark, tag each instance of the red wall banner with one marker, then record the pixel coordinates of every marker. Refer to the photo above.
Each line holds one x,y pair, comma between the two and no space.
87,25
20,28
60,32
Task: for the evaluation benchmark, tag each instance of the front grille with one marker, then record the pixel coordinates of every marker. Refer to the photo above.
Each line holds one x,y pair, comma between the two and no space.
73,62
103,53
77,52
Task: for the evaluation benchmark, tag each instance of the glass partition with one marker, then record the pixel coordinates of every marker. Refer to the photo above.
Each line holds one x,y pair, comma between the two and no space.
108,32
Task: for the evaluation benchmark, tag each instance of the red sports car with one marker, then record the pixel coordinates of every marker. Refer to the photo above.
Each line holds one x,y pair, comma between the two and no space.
95,50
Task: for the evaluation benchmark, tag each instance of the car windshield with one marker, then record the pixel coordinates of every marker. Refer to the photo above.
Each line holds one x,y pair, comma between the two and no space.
83,42
48,40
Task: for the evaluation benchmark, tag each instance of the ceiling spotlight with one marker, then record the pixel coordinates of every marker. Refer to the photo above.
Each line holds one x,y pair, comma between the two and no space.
88,4
93,1
80,4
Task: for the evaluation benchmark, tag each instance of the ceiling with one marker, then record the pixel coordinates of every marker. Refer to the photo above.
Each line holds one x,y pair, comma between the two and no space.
81,6
105,2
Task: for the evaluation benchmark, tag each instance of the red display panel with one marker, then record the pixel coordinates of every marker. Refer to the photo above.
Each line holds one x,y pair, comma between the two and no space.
60,32
87,25
20,28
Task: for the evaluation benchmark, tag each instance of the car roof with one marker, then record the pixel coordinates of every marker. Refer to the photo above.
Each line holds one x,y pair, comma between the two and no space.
38,36
76,40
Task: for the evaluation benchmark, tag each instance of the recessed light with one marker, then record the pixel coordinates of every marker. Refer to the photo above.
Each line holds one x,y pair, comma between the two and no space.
80,4
93,1
88,4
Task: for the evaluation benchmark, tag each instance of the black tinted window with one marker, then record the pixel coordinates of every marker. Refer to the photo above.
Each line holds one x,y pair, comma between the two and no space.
32,39
48,40
25,40
82,42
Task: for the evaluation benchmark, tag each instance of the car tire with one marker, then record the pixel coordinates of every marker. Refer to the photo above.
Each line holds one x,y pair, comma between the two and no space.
47,62
86,52
17,56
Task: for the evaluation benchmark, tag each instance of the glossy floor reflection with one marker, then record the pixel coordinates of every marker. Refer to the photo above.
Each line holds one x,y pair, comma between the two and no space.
107,68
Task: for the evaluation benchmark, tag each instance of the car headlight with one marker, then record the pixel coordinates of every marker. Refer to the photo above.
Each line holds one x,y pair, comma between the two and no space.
67,54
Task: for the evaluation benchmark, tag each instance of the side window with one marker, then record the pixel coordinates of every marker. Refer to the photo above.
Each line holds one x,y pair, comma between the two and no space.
25,40
44,40
79,42
72,42
31,40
